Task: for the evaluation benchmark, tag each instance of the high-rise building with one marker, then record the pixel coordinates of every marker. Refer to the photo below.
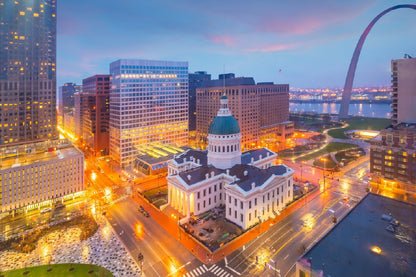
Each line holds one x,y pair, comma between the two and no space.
195,81
393,151
262,110
27,71
95,111
148,103
66,102
403,90
36,168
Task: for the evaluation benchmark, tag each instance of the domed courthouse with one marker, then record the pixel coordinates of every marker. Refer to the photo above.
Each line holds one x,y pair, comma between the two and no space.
250,185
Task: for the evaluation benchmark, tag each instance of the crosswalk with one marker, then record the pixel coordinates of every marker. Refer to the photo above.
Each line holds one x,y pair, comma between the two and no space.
204,270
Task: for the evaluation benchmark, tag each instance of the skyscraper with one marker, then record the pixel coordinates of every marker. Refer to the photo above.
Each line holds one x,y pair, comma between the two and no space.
403,85
36,168
96,113
195,81
148,103
66,97
27,71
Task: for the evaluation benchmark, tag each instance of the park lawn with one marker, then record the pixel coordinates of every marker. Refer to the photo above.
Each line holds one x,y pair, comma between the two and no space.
360,123
61,270
328,164
331,147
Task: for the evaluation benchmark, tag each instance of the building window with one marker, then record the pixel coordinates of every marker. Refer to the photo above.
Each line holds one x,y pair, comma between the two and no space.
235,214
199,195
263,199
220,186
241,204
288,183
215,199
209,190
235,202
255,201
220,195
209,201
205,192
215,188
199,206
204,204
255,213
229,199
268,196
249,204
249,217
229,211
241,217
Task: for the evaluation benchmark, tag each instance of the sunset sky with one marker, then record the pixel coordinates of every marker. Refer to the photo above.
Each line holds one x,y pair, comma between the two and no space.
310,41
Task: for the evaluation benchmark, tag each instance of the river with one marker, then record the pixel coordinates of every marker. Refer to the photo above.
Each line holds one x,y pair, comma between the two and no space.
381,110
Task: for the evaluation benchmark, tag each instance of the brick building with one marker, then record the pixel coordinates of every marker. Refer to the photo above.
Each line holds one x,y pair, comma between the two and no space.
95,111
262,110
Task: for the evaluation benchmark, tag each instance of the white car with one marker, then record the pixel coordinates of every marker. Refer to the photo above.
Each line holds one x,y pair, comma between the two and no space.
44,211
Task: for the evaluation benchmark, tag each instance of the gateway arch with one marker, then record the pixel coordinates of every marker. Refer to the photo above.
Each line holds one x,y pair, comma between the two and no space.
346,95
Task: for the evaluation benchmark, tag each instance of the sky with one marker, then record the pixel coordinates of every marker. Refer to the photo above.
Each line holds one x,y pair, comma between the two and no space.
303,43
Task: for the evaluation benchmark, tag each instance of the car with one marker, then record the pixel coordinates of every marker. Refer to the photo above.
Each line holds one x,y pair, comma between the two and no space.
102,170
146,214
44,211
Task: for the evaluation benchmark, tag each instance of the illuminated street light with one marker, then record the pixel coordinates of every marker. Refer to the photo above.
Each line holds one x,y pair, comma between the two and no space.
324,160
376,250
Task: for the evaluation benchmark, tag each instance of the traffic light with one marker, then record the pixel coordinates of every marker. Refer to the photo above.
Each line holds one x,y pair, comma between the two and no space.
257,259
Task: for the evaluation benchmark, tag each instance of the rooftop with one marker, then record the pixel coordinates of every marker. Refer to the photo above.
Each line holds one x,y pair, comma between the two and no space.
246,174
347,249
18,159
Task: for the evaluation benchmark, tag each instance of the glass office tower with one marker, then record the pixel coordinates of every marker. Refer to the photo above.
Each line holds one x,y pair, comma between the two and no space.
27,71
148,104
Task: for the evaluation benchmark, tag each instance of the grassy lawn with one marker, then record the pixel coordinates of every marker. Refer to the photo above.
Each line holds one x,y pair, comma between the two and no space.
328,164
331,147
156,192
349,156
360,123
62,270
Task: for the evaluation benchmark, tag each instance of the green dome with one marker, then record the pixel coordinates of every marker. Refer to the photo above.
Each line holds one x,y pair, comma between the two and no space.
224,97
224,125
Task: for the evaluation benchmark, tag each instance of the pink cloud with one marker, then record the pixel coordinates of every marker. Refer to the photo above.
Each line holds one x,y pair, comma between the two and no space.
222,39
272,47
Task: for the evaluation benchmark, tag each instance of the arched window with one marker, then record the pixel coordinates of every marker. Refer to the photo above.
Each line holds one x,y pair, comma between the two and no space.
228,148
223,149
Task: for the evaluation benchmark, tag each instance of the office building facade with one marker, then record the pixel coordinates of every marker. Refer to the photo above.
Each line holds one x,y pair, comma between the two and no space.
148,103
393,151
95,109
66,97
27,71
37,174
195,81
262,109
403,94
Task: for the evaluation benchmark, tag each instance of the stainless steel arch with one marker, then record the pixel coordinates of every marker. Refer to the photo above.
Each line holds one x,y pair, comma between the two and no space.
346,95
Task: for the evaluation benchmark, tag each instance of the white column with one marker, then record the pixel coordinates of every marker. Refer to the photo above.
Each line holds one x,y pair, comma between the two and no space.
188,206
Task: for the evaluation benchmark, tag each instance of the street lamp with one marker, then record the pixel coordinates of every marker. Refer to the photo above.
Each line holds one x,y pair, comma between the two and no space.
324,160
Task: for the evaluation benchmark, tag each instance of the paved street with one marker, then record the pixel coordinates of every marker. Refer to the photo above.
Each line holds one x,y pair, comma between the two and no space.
288,239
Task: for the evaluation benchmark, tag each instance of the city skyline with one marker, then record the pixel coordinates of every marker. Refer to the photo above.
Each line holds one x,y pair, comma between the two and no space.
303,44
